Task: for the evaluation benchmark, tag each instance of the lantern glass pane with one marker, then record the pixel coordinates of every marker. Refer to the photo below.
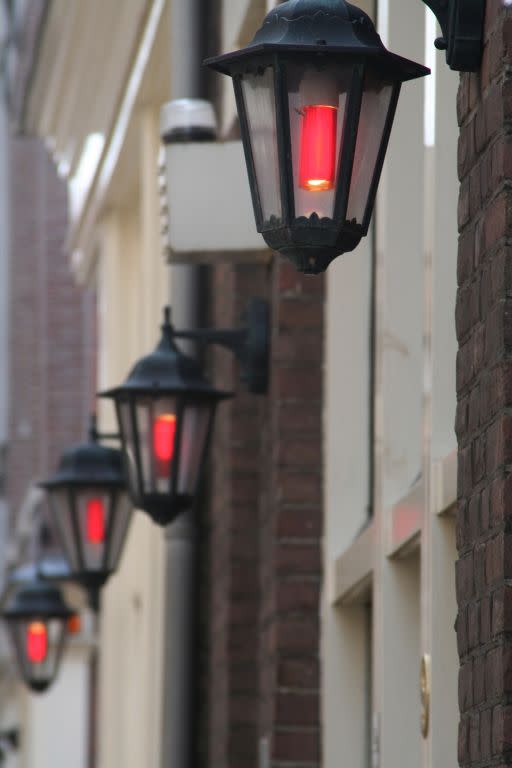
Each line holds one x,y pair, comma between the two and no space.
127,436
122,512
317,104
157,424
372,122
196,421
38,645
93,509
260,108
62,513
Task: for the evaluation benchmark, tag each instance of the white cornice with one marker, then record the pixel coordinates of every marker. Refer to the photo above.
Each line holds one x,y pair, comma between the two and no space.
90,80
84,59
81,241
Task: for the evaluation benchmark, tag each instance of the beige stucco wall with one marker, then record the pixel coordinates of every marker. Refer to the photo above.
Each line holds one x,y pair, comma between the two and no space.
54,726
108,80
132,289
389,593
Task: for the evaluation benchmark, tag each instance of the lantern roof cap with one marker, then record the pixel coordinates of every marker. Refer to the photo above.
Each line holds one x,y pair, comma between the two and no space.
167,371
53,567
88,464
321,26
36,600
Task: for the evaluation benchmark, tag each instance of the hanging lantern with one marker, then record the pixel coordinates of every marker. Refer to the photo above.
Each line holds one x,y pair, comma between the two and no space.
165,411
36,618
91,510
316,92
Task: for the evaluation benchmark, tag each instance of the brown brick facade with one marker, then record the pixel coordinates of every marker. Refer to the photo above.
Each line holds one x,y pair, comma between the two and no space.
484,389
265,531
52,332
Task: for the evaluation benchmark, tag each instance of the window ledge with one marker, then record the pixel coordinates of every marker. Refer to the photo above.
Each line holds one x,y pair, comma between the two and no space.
352,571
406,516
444,485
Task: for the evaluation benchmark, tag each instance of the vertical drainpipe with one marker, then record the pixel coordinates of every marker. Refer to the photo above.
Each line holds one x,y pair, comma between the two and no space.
180,536
185,61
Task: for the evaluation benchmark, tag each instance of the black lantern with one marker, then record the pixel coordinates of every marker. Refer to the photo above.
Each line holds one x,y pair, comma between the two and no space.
37,618
91,510
316,93
165,410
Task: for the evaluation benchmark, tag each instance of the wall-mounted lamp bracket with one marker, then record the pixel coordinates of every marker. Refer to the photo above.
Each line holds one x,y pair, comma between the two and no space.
250,344
462,24
95,436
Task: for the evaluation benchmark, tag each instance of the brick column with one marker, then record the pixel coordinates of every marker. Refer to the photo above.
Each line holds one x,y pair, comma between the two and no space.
52,343
233,538
265,530
292,523
484,390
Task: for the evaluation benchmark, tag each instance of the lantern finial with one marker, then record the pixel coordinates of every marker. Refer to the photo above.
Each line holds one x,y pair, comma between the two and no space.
93,427
166,328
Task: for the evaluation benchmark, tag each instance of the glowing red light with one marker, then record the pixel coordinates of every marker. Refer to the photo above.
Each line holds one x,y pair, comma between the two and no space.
37,642
164,432
95,514
317,171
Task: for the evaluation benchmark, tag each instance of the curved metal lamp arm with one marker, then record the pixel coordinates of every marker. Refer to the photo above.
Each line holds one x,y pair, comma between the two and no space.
462,26
95,436
249,344
232,340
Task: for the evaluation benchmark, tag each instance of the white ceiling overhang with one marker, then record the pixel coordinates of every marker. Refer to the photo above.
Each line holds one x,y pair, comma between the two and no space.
98,63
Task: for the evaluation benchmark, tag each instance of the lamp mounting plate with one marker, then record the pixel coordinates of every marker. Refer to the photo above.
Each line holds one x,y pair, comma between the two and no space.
462,23
250,344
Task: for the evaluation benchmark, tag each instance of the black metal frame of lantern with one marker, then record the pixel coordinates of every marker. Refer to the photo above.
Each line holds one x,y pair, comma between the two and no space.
316,93
36,617
9,742
165,410
91,510
462,25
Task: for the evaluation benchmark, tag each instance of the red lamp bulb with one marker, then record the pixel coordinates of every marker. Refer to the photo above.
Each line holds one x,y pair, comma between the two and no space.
317,170
164,433
95,515
37,642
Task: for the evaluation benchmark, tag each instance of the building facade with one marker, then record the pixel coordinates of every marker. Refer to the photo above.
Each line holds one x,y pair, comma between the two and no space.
329,525
48,353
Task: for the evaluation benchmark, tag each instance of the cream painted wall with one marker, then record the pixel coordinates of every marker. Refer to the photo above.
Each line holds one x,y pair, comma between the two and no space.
345,628
54,725
75,93
346,498
132,289
444,264
347,395
400,256
10,710
4,314
4,274
393,606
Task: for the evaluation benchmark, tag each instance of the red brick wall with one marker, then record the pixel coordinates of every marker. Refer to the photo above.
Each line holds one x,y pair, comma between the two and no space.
265,530
52,333
234,545
484,389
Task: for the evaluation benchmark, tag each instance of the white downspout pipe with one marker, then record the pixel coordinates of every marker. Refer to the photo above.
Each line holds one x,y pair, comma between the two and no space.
185,84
